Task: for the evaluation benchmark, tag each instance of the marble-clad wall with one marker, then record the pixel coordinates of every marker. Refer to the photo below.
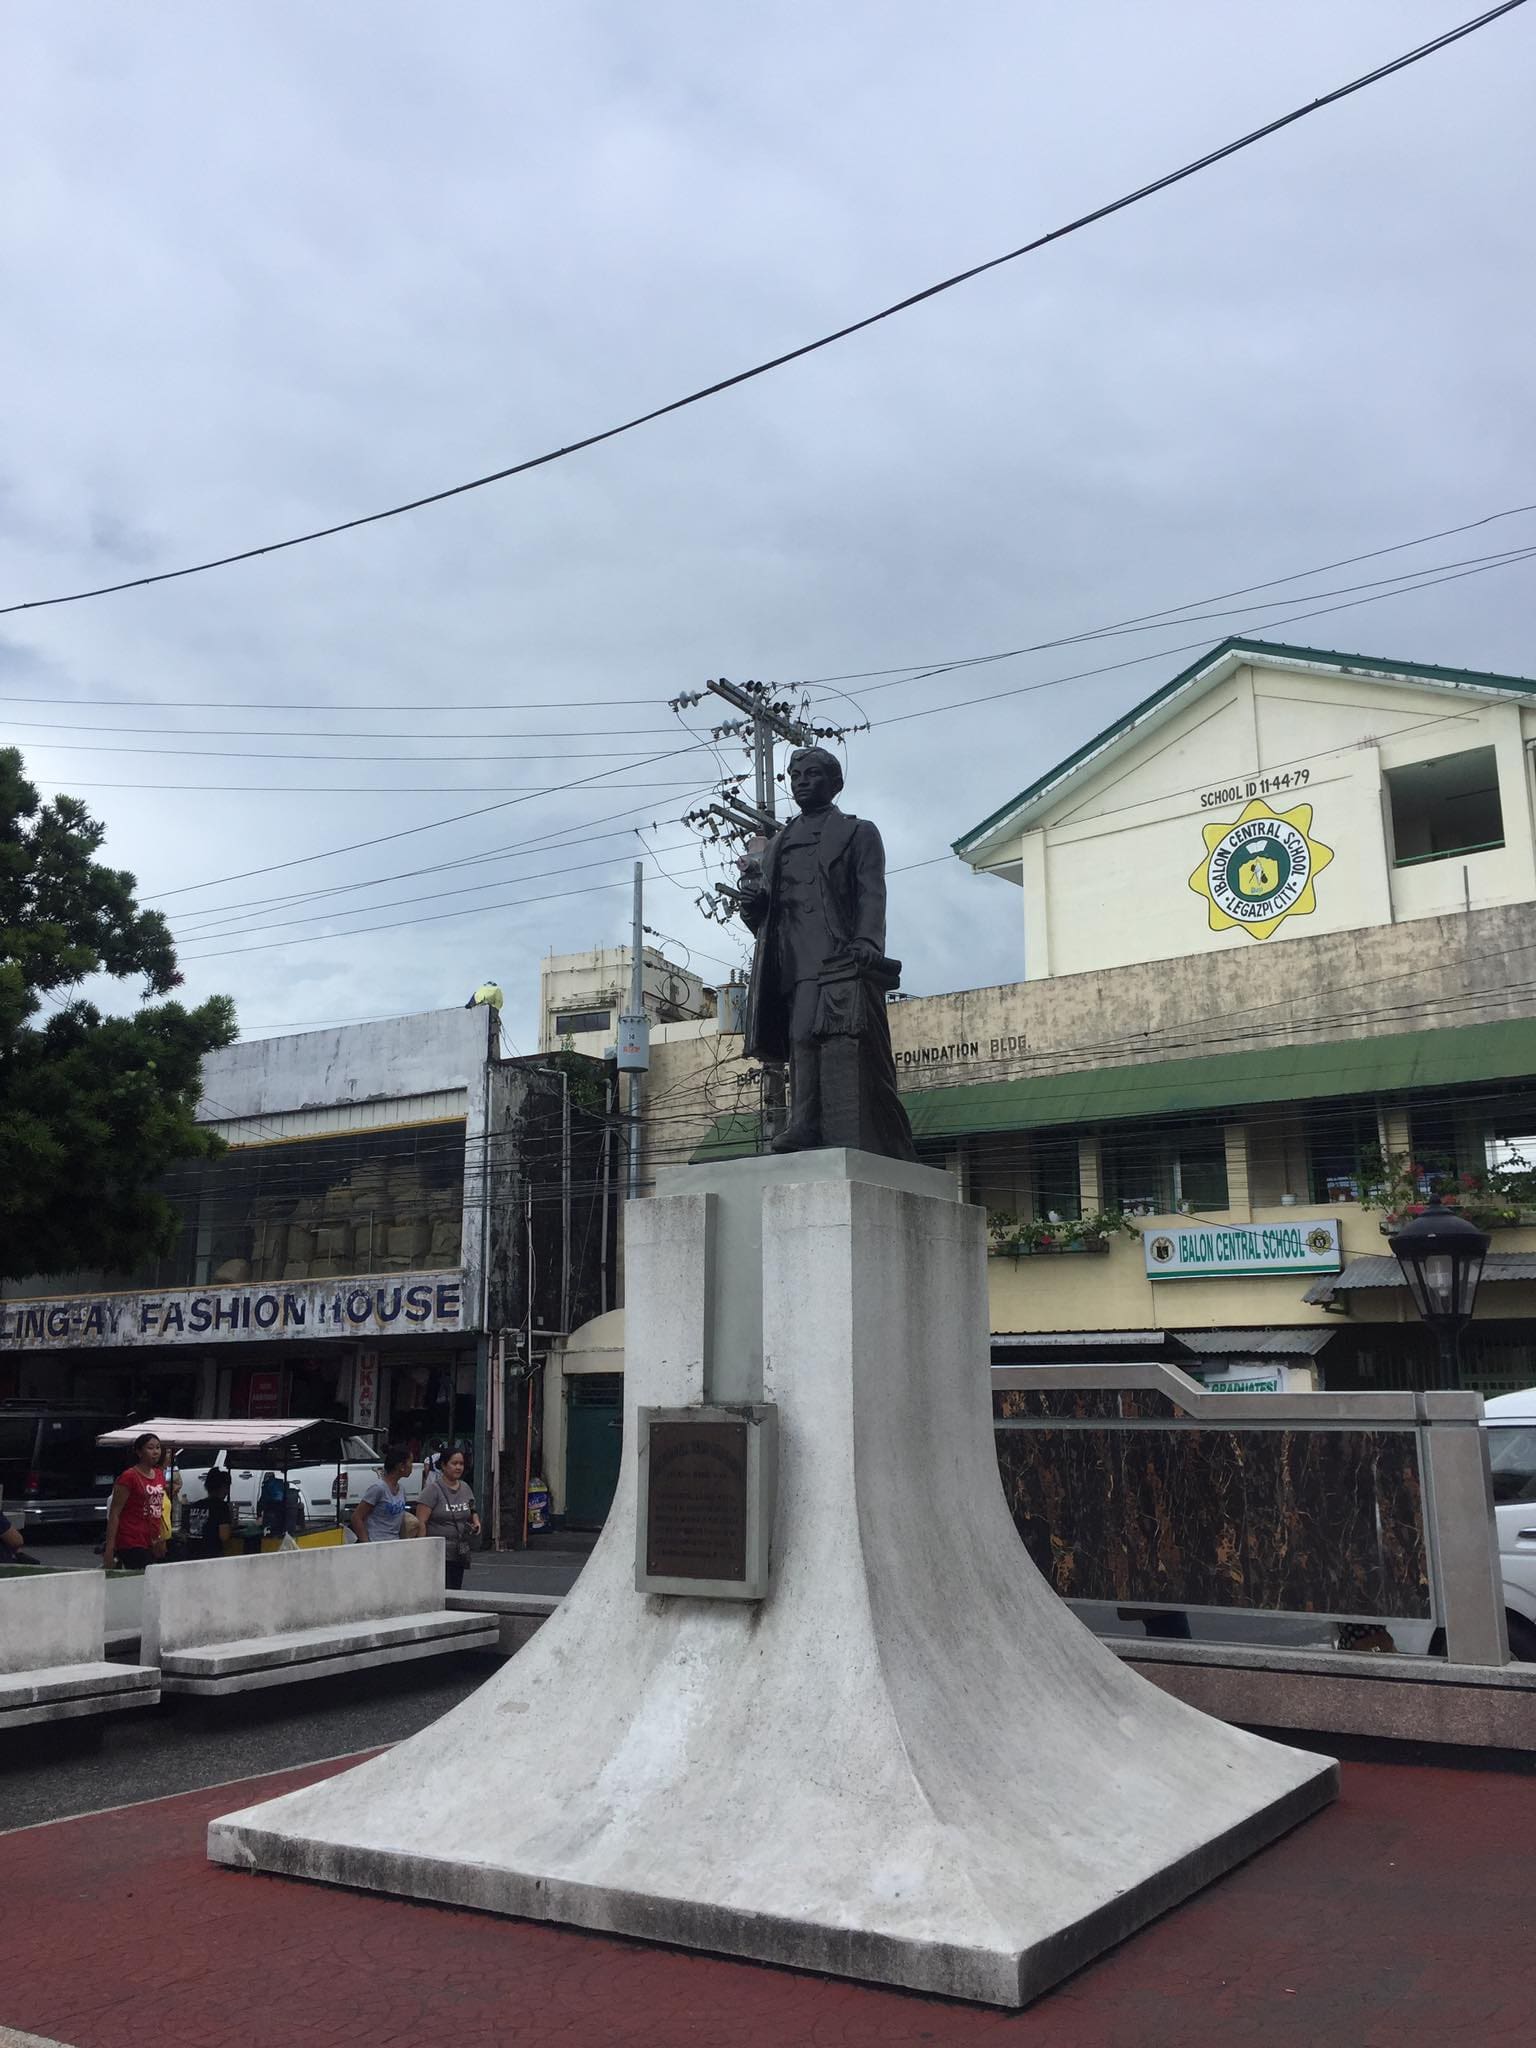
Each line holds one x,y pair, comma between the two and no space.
1309,1521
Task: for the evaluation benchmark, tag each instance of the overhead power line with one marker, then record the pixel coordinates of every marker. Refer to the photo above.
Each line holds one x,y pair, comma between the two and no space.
286,732
517,849
398,923
422,760
1403,584
915,674
928,711
1187,646
906,671
1168,615
240,927
1480,565
437,704
408,831
903,672
975,270
368,789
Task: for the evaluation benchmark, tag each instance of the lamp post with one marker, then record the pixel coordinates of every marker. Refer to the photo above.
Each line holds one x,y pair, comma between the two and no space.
1442,1255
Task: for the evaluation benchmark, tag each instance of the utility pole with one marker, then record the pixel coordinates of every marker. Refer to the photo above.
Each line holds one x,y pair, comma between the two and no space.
766,723
763,721
634,1042
766,717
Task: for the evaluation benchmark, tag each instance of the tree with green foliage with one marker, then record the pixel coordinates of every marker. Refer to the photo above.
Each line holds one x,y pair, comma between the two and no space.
93,1108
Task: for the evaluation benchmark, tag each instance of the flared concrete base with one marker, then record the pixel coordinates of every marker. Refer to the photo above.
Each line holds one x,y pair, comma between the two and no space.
910,1763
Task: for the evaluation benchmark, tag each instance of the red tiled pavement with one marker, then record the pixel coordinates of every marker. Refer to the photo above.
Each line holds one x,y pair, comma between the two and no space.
1398,1919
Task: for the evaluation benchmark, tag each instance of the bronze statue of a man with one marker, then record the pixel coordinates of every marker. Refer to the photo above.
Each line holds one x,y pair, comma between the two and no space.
820,975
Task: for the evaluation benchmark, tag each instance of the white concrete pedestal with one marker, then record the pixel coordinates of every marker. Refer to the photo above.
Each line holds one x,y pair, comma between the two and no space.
908,1764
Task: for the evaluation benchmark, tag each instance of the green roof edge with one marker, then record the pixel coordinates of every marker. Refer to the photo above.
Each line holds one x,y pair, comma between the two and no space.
1323,1070
1237,643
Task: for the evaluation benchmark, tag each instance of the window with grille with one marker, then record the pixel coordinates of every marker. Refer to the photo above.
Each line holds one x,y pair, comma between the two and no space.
569,1023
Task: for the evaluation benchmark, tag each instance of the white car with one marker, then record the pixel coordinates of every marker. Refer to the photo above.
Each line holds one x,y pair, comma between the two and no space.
1510,1420
326,1464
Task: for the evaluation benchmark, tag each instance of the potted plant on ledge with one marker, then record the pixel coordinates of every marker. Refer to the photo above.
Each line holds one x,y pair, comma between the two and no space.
1496,1198
1010,1236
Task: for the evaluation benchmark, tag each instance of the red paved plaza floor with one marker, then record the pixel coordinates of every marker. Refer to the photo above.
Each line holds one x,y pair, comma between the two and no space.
1398,1919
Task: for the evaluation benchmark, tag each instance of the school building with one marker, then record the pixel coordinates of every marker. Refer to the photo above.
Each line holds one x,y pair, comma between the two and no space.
1277,950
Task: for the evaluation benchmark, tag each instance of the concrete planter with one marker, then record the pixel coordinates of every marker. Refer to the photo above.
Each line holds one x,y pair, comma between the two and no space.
125,1602
124,1592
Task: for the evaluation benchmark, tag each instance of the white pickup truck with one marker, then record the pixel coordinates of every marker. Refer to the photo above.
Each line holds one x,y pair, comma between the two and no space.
1510,1420
326,1464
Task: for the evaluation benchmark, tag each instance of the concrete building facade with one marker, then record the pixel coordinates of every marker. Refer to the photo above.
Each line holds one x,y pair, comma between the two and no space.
1279,949
1269,793
582,994
401,1226
1248,1012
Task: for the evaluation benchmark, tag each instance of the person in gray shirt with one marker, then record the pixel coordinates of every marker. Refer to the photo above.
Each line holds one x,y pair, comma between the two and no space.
447,1509
380,1515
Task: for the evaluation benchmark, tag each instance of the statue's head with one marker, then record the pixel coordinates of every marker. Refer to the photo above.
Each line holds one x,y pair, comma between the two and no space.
815,777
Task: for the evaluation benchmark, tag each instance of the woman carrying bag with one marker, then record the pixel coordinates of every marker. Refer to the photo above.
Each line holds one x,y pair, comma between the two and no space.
447,1509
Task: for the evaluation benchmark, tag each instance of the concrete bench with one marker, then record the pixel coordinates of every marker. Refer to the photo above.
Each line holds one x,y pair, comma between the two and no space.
519,1616
52,1662
237,1624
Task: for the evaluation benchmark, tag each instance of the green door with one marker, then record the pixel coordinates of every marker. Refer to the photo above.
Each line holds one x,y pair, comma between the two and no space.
594,1437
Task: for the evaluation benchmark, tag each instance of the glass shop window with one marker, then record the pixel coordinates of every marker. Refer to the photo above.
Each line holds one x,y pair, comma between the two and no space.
1200,1170
383,1201
1433,1136
1134,1172
1054,1182
1159,1171
1335,1146
1445,807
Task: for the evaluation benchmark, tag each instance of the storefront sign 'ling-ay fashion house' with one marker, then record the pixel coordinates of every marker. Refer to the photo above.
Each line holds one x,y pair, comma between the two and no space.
413,1303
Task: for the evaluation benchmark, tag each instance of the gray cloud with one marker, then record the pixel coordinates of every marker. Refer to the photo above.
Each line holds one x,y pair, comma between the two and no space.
269,266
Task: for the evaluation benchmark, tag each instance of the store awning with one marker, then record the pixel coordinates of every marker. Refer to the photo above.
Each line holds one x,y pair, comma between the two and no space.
1297,1343
1382,1271
214,1429
1093,1095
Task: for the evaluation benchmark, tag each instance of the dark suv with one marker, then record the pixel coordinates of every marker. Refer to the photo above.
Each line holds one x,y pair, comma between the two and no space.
50,1469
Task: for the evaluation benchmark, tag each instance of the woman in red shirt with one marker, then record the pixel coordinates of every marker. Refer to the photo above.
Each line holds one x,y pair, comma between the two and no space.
136,1518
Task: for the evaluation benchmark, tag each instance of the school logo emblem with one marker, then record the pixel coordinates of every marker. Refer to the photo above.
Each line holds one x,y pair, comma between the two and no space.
1260,870
1163,1249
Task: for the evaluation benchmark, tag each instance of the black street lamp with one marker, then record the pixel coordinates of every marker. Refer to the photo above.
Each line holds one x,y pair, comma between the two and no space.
1442,1256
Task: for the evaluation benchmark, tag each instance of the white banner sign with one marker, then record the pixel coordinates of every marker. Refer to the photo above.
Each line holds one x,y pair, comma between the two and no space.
365,1390
404,1304
1238,1251
1239,1379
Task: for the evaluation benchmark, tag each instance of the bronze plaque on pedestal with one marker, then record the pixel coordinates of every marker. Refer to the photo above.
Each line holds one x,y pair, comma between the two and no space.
696,1502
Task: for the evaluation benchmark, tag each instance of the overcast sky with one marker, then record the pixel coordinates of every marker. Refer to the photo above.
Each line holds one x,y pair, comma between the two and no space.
269,266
